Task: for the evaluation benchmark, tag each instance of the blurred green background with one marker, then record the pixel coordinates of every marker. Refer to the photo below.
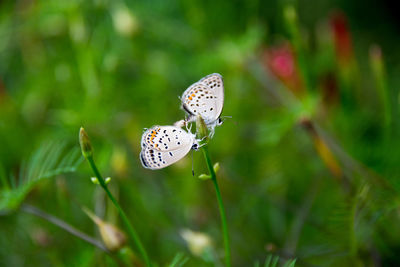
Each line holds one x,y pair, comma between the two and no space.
309,160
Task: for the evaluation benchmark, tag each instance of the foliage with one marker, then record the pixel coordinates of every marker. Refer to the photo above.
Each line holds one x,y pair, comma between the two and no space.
272,261
178,261
309,165
50,160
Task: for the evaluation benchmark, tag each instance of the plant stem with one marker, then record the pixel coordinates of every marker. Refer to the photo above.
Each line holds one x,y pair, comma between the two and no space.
220,205
379,72
293,26
352,230
131,231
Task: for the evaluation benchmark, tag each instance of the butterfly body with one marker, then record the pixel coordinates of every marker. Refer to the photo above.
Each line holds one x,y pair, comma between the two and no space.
165,145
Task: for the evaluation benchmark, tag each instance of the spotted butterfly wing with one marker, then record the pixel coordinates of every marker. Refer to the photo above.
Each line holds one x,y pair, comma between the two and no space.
205,98
164,145
166,138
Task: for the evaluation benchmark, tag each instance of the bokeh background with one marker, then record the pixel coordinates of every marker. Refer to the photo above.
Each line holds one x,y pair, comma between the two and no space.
309,160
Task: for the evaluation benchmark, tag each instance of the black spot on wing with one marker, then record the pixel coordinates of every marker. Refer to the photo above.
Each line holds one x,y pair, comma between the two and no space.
185,108
143,160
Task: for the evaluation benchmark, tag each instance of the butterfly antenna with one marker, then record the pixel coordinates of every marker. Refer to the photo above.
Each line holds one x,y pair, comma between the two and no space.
226,117
223,118
192,164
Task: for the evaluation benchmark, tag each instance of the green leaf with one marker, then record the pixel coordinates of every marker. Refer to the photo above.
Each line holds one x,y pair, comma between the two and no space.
272,261
268,261
290,263
275,261
50,160
179,260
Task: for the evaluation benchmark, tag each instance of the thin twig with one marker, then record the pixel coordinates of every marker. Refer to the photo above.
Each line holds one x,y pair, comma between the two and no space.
301,217
60,223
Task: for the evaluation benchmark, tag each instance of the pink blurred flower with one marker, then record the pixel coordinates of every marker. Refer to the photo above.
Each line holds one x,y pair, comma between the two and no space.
280,60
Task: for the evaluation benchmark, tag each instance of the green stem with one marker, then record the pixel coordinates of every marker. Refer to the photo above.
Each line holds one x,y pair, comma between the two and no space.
352,235
297,42
379,71
125,219
220,205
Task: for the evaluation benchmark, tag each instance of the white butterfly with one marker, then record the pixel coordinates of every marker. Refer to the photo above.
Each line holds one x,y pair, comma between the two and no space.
165,145
205,98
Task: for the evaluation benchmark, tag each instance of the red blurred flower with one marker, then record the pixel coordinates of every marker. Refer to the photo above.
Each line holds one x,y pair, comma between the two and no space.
342,37
280,60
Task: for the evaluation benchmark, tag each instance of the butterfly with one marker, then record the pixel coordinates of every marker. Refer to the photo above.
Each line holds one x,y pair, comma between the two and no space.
205,98
165,145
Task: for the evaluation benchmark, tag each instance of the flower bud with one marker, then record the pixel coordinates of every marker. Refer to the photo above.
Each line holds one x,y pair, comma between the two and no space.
216,167
84,141
113,238
94,180
204,177
201,126
197,242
